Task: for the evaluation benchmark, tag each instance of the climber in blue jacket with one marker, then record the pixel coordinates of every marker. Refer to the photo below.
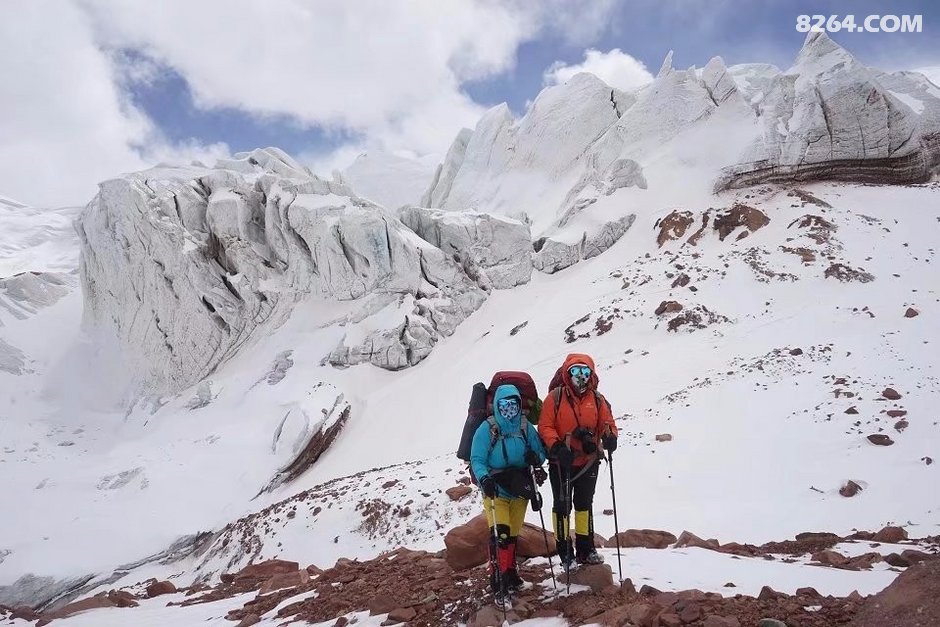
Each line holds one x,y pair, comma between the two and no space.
503,449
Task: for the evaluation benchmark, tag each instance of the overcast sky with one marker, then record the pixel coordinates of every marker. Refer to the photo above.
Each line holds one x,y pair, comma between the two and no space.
93,88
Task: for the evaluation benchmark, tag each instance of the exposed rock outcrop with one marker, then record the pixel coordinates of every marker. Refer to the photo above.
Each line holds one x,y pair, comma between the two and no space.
830,117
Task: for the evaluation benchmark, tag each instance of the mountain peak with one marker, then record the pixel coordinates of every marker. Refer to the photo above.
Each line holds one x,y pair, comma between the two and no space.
818,48
666,67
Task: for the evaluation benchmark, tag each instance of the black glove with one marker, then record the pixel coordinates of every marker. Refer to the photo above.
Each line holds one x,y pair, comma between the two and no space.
488,485
540,475
589,447
563,455
610,442
532,458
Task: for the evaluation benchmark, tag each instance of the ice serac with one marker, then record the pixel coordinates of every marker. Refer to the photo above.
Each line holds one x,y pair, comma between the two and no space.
445,173
830,117
185,264
538,153
495,250
554,255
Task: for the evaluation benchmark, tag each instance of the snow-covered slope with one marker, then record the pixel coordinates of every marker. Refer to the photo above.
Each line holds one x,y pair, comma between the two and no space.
390,180
769,330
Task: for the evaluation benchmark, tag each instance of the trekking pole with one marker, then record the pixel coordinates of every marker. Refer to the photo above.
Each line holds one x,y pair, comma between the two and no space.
548,550
613,496
499,575
566,530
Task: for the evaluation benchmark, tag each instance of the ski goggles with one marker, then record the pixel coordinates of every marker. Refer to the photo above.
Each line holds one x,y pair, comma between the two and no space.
579,371
508,407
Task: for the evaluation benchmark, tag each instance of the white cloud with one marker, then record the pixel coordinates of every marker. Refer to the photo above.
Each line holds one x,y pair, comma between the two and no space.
616,68
388,74
64,123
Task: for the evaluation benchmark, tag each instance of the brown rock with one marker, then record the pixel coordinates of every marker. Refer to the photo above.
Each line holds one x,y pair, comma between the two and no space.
855,596
897,561
313,570
464,480
466,544
901,425
927,460
911,313
664,437
267,569
721,621
681,281
851,410
896,413
830,558
891,394
864,562
159,588
739,215
850,489
687,538
644,538
642,614
768,594
667,306
24,612
808,592
250,619
488,616
690,613
673,226
531,542
458,492
122,598
595,576
342,621
890,535
402,614
822,537
98,601
796,352
381,604
880,439
284,580
616,617
669,619
914,556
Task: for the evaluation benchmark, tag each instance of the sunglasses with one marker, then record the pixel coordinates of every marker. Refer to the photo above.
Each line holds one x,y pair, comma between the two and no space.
583,371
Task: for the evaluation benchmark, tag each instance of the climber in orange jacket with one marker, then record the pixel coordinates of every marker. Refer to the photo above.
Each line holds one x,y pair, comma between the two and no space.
576,425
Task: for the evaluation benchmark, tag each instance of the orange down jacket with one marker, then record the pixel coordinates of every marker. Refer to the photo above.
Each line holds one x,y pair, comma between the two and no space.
589,410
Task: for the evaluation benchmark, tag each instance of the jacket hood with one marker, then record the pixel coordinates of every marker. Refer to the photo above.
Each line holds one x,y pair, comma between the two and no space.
579,358
507,391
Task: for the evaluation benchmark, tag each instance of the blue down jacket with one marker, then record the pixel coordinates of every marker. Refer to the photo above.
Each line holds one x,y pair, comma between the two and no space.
509,449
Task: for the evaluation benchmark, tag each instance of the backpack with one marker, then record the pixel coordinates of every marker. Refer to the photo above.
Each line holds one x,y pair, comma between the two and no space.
481,403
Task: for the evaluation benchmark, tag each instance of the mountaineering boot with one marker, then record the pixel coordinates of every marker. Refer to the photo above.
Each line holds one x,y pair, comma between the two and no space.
505,556
503,598
587,554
